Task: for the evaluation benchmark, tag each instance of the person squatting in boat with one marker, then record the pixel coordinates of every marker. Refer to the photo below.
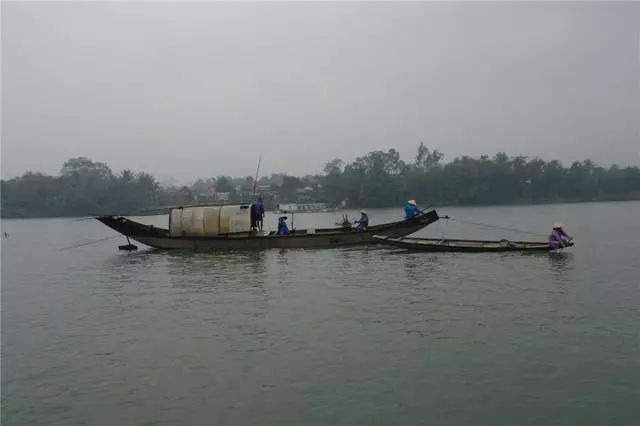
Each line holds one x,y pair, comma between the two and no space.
363,222
411,210
283,229
558,238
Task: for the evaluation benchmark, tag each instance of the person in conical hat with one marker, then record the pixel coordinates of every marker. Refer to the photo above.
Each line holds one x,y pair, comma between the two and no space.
558,237
411,210
363,222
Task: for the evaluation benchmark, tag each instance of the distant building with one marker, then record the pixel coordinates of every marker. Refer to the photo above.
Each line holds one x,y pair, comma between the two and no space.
302,207
185,195
264,188
222,196
207,196
276,179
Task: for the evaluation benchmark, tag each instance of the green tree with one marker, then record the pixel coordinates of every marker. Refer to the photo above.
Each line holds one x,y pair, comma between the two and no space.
223,184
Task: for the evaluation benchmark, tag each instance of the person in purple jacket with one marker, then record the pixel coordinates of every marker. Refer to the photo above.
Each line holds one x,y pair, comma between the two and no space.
558,238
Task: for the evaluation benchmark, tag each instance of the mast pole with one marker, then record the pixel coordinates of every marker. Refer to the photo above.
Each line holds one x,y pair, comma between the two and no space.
255,181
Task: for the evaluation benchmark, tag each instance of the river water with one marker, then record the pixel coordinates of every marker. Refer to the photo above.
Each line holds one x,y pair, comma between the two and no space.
367,336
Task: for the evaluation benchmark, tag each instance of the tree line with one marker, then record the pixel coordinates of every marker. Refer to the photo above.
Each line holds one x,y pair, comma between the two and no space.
377,179
83,187
382,179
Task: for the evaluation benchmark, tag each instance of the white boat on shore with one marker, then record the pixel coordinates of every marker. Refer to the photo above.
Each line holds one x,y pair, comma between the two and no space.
303,208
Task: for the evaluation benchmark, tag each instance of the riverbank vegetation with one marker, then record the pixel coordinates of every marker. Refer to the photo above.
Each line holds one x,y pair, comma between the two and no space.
377,179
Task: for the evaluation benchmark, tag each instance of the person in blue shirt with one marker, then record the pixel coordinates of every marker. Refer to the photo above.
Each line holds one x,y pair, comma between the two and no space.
411,210
283,229
363,222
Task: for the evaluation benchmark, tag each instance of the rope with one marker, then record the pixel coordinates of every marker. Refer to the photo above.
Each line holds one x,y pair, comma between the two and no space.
498,227
89,242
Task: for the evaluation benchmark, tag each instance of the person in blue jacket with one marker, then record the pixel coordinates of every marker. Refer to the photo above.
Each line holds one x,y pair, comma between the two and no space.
259,213
411,210
283,229
363,222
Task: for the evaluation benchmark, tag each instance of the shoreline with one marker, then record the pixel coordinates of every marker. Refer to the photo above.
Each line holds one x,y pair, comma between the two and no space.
429,206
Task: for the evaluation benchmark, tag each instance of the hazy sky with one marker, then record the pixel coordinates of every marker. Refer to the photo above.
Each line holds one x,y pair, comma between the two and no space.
201,89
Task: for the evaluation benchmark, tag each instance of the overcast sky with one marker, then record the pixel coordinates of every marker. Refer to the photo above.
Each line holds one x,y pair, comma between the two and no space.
201,89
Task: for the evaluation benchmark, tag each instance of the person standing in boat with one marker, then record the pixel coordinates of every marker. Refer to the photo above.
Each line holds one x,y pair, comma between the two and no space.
363,222
558,238
283,229
411,210
259,213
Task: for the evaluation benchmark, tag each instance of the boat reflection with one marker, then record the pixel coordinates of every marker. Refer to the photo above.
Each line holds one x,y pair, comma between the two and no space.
187,269
561,264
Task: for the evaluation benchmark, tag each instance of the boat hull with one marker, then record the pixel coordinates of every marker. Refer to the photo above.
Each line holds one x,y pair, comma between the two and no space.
322,238
465,246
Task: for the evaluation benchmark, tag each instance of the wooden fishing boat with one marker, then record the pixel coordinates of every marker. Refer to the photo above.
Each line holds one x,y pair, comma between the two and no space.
447,245
228,227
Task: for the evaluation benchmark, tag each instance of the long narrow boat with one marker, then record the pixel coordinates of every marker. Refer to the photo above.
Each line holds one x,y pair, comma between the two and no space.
216,228
447,245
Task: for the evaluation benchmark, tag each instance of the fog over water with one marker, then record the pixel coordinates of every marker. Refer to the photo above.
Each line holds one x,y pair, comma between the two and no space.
200,89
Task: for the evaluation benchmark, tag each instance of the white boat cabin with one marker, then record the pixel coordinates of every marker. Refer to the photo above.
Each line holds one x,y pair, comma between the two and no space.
209,221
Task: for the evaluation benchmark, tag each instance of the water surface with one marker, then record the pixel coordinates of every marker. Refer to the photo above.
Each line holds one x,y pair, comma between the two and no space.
348,336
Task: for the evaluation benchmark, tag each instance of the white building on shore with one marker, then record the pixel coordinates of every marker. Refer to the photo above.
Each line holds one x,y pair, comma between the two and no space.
302,208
